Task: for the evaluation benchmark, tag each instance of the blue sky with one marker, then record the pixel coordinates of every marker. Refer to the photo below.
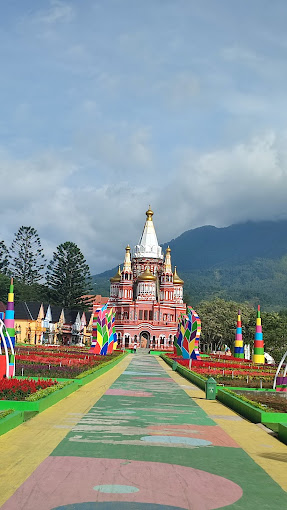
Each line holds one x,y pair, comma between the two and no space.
109,105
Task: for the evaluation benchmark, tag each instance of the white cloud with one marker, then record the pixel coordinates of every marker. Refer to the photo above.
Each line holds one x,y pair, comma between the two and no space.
245,182
58,12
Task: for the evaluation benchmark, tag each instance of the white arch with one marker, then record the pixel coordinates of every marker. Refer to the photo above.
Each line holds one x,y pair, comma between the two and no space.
279,368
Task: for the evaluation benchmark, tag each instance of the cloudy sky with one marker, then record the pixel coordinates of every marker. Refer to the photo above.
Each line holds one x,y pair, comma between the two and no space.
108,106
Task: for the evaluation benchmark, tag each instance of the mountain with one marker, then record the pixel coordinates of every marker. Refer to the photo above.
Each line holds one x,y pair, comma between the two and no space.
244,262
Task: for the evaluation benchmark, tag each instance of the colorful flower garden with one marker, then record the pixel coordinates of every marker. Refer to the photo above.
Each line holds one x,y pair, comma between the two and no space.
58,362
241,375
230,371
15,389
41,371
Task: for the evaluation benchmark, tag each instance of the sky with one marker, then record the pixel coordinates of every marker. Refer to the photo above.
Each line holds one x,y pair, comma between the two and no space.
109,106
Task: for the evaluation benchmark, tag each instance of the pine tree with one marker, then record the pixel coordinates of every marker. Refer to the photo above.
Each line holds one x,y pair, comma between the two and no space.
28,260
4,258
68,276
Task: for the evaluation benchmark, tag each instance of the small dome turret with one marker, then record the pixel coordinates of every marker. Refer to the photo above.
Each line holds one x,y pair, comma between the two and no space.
176,278
117,277
146,276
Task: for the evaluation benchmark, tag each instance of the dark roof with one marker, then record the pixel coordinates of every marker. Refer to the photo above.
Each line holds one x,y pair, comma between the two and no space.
56,313
22,311
45,306
34,308
70,315
88,317
2,307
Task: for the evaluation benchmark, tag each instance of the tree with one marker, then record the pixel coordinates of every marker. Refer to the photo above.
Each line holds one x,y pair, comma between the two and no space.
28,259
68,276
4,258
219,318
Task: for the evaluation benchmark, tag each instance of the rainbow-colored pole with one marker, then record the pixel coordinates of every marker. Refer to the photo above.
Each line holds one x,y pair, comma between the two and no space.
9,314
238,346
258,356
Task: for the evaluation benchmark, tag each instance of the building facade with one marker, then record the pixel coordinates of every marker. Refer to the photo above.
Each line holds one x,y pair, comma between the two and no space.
146,295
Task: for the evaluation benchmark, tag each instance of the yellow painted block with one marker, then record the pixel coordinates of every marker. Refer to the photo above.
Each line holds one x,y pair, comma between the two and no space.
258,358
99,339
10,297
191,346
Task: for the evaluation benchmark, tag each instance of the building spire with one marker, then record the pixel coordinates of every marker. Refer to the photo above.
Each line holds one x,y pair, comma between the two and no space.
127,262
167,262
148,244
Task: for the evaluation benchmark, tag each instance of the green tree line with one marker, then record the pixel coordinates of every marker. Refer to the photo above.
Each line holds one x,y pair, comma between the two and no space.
63,281
219,320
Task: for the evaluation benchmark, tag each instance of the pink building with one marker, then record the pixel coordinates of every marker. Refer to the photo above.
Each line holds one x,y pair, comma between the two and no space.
146,294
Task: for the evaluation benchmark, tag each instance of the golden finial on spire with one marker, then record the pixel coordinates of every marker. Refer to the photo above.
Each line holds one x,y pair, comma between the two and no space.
128,248
149,213
168,250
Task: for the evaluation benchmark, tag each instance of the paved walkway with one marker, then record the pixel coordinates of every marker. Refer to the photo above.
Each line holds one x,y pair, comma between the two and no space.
134,439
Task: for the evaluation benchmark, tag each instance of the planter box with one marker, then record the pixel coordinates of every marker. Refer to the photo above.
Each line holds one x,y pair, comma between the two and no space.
282,432
185,372
41,404
102,369
11,421
247,410
168,360
191,376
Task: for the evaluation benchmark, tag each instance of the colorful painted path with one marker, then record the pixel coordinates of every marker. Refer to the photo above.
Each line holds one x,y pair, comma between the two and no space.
147,445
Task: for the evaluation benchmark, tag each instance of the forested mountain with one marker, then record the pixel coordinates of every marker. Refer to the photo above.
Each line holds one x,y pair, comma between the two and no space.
243,262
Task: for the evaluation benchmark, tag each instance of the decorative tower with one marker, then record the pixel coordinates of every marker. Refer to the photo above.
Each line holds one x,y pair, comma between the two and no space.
178,287
258,356
9,314
238,346
166,280
114,288
126,283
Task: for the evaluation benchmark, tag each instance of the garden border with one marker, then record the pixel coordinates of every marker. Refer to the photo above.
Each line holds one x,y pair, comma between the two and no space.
282,432
42,404
245,409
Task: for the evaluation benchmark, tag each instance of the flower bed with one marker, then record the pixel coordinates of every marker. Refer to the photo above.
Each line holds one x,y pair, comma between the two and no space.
231,372
270,401
64,363
15,389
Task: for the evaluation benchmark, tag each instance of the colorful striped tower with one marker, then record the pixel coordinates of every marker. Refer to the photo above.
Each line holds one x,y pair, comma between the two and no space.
9,314
258,356
238,347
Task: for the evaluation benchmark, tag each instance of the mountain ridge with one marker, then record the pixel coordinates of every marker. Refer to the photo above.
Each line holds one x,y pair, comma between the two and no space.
237,261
